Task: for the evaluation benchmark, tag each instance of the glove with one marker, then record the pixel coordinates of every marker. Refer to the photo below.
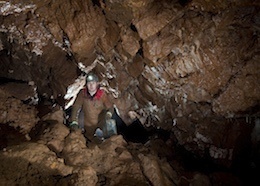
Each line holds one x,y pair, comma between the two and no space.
74,125
108,115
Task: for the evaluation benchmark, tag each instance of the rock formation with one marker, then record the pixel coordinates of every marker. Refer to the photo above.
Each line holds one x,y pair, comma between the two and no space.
191,67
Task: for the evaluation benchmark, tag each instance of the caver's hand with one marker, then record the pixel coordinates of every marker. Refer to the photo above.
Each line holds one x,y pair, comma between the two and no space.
108,115
133,115
74,126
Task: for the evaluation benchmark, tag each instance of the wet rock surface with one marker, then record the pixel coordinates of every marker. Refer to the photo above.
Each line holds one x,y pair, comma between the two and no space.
190,67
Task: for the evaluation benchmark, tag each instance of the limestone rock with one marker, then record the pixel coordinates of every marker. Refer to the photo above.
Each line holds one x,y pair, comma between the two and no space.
31,163
16,114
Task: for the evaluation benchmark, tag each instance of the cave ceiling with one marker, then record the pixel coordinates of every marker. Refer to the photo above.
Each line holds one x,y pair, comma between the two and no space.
167,59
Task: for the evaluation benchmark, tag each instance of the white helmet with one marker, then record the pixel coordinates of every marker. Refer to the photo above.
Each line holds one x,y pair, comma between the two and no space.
91,77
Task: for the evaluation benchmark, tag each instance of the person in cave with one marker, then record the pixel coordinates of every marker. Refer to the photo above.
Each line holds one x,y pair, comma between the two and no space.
92,111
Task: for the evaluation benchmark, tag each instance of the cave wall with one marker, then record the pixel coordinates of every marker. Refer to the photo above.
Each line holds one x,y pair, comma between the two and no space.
176,62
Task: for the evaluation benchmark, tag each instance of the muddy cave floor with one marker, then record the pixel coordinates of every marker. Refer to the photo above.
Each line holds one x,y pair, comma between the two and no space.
243,169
